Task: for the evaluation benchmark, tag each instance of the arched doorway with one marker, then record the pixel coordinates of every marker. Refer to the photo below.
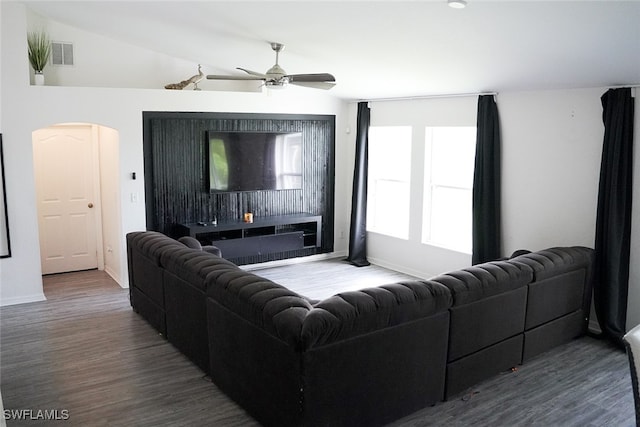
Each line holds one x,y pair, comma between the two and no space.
76,171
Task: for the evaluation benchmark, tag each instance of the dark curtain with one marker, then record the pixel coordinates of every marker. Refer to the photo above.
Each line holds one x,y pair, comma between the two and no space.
358,231
486,183
613,220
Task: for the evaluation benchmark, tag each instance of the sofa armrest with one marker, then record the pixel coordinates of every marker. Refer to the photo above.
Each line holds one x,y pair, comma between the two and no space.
212,250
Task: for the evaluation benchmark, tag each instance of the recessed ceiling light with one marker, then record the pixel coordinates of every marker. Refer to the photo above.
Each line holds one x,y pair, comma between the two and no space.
458,4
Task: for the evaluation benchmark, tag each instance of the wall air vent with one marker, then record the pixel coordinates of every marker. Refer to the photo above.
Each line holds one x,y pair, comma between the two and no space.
61,53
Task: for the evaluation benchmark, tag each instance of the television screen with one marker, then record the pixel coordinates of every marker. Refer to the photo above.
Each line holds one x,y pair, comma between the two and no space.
250,161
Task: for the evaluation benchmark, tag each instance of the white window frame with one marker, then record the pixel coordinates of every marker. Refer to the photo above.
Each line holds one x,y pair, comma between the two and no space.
431,187
379,219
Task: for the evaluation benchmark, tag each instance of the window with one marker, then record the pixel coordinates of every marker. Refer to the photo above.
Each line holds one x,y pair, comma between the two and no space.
449,164
389,180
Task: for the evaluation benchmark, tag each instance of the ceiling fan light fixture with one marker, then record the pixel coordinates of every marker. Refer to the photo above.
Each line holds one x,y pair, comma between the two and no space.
457,4
275,84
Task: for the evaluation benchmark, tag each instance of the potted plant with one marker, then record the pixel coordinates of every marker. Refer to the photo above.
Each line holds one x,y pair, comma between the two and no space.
39,52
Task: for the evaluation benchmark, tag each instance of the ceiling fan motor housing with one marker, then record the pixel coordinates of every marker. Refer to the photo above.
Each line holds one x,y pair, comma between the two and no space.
276,72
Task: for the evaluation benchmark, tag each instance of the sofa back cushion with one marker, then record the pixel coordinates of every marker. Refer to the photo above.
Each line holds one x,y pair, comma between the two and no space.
488,305
485,280
260,301
293,319
193,265
349,314
553,261
144,251
561,285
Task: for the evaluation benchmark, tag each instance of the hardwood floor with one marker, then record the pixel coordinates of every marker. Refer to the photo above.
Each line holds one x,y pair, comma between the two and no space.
90,354
85,351
322,279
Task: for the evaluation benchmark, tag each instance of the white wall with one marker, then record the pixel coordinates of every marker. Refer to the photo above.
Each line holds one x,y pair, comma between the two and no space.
103,62
110,198
26,108
633,306
552,144
20,275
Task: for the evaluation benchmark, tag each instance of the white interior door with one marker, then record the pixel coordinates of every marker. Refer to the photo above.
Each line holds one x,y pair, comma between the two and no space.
65,166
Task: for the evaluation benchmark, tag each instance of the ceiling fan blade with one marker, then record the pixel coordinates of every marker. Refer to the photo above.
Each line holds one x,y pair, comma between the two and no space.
253,73
219,77
310,78
314,85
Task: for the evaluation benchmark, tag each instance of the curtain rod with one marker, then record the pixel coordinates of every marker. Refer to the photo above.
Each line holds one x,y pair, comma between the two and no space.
623,86
458,95
411,98
632,87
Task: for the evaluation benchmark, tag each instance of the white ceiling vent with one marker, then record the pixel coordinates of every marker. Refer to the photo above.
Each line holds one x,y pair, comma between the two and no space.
61,53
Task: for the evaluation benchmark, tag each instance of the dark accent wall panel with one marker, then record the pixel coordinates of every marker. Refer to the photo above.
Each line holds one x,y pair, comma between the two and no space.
176,171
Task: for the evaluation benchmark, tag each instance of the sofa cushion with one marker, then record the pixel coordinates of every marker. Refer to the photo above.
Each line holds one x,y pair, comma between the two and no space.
193,265
260,301
552,334
554,297
152,244
144,250
485,322
359,312
483,364
554,261
485,280
190,242
194,243
562,283
293,319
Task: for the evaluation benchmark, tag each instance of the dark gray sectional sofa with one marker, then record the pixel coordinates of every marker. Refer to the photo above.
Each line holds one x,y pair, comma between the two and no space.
358,358
506,312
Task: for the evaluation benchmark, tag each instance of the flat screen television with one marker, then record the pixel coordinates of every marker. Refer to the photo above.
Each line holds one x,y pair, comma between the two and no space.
251,161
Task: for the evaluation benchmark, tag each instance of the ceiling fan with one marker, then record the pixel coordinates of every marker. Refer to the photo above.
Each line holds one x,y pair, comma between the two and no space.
276,77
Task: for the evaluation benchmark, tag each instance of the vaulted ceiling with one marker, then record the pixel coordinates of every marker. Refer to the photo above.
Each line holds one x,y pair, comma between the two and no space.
383,49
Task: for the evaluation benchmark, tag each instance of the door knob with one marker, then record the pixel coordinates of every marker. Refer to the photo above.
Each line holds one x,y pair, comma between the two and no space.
90,205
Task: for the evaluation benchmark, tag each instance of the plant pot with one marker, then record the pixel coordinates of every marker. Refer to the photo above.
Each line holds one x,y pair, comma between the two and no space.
38,78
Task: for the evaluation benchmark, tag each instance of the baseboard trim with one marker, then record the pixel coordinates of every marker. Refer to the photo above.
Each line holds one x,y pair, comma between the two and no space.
116,277
22,299
290,261
400,268
594,327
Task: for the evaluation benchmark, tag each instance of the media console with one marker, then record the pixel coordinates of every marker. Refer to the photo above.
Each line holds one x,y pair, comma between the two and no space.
265,235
